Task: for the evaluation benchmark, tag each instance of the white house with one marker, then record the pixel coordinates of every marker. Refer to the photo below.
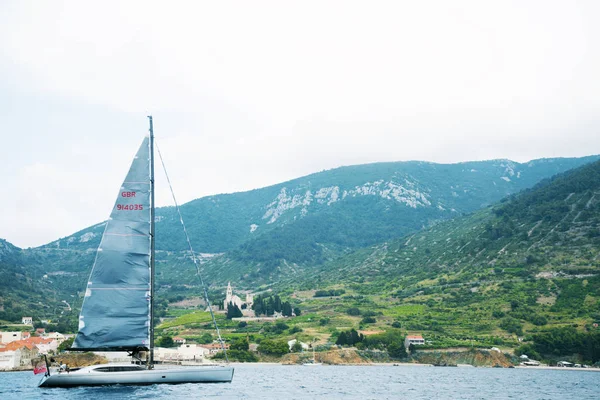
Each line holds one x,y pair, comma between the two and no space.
413,339
56,336
179,340
27,320
185,352
47,345
165,354
9,359
8,337
18,354
192,352
214,348
292,342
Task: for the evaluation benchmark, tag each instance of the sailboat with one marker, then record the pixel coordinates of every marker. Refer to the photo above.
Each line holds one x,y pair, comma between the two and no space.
118,308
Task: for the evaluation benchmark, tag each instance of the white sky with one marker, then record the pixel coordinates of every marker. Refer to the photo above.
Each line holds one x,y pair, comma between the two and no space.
247,94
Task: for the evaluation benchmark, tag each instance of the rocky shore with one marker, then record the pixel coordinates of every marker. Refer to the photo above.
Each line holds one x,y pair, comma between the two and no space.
473,357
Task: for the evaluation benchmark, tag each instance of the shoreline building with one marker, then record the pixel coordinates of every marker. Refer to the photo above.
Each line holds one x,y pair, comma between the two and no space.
19,353
416,340
8,337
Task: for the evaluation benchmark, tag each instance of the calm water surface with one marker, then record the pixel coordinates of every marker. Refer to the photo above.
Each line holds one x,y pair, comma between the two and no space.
340,382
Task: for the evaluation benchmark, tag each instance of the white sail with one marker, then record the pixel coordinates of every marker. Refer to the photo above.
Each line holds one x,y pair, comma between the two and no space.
116,309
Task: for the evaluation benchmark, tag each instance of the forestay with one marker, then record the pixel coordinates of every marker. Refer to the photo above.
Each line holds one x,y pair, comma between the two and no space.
116,309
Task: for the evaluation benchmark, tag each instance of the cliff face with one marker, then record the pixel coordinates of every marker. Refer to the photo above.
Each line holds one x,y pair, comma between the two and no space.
474,357
477,358
76,360
332,357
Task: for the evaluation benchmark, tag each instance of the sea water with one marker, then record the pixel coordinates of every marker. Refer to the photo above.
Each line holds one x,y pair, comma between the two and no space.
260,381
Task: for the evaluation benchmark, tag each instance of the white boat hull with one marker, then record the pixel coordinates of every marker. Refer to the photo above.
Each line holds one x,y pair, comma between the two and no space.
89,376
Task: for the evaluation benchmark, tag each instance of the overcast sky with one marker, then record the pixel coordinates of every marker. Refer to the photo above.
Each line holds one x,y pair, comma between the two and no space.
248,94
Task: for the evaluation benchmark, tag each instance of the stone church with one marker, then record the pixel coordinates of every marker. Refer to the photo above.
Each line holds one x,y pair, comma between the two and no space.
236,300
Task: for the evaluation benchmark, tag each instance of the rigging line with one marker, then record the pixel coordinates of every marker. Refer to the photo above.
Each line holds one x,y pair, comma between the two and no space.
193,254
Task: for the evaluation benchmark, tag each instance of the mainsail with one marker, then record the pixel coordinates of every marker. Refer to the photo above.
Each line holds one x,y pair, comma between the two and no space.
116,309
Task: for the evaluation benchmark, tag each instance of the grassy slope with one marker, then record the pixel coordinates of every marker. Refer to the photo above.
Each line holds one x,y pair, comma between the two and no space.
523,266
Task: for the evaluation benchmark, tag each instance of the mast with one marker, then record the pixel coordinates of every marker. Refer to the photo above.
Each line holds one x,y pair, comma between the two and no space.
150,359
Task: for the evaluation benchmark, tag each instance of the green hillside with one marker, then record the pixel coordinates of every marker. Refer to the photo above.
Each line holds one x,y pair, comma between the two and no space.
362,204
523,267
26,290
549,230
281,231
527,264
439,192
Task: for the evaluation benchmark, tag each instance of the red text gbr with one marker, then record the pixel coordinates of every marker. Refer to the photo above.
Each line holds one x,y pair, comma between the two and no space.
127,194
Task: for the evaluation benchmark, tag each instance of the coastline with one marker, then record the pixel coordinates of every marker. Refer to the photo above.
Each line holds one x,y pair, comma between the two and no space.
410,364
385,364
16,370
548,367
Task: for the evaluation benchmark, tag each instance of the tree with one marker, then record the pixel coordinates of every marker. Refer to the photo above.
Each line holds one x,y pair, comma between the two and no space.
349,338
342,339
240,344
270,304
529,351
286,309
511,325
296,329
233,311
277,303
166,341
538,320
205,338
396,350
368,320
66,345
297,347
237,355
355,337
297,311
274,347
353,311
281,326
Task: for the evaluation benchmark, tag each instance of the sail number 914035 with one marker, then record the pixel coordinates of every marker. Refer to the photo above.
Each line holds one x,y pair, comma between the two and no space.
130,207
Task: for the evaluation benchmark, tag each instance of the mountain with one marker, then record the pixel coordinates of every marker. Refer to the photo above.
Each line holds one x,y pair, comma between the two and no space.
550,230
347,215
529,261
26,290
402,196
294,229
